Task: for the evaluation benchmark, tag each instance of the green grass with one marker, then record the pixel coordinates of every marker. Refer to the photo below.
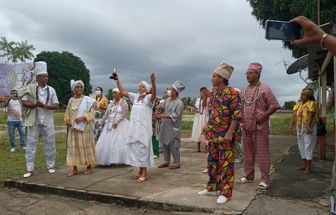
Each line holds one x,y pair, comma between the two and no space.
12,165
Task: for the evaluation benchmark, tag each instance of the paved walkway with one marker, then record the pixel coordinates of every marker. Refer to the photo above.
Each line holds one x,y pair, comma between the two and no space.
176,190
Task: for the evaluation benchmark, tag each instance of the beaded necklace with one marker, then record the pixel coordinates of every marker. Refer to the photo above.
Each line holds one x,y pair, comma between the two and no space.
255,95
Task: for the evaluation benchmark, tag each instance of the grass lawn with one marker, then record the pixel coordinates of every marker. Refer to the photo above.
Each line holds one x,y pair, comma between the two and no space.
12,165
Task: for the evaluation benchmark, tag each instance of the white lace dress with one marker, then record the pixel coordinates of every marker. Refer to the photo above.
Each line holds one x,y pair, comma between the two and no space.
111,145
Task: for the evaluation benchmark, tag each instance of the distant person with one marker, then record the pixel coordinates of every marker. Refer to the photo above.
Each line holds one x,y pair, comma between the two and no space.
170,127
14,120
78,117
224,115
199,119
139,141
111,145
306,112
313,34
39,101
259,103
102,103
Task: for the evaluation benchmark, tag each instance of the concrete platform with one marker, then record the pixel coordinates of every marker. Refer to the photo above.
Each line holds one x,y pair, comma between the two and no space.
171,190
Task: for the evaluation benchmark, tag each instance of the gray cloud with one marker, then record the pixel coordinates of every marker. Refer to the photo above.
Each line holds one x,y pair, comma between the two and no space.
177,39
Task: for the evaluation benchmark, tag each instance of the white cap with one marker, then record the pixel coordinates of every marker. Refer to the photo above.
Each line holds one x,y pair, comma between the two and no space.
40,68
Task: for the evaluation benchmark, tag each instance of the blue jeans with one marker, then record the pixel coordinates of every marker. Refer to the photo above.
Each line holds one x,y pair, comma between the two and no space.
11,130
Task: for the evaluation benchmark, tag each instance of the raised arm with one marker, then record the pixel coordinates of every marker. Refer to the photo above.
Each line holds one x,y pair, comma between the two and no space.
153,82
122,90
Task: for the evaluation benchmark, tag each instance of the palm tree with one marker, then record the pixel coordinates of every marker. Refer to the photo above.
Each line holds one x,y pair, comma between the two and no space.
6,47
22,52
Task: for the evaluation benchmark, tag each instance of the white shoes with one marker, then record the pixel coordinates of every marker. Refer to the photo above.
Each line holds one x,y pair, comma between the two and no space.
207,193
51,171
263,186
244,180
222,199
28,174
12,149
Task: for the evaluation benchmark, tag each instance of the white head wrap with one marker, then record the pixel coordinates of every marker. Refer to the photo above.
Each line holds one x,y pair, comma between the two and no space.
116,90
40,68
74,83
147,85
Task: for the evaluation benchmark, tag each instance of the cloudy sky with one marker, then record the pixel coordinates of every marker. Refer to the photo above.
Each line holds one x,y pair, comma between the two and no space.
176,39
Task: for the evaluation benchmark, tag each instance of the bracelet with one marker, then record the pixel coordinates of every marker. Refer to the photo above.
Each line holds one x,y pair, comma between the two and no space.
322,40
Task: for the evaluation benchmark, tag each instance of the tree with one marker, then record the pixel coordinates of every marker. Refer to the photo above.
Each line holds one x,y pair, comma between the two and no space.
289,105
288,9
62,67
6,47
14,51
22,51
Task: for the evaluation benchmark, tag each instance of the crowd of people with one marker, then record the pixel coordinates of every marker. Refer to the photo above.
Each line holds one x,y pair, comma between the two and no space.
99,131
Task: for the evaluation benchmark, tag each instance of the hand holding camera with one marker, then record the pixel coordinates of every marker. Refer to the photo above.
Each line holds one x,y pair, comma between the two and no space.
114,75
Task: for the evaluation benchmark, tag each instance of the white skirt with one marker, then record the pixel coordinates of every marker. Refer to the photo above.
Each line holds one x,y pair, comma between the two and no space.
138,155
198,124
111,145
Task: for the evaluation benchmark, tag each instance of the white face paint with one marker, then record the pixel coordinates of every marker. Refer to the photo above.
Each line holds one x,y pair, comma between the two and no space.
98,93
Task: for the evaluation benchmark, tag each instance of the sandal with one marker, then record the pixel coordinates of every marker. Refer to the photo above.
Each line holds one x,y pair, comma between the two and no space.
263,186
73,173
306,172
245,180
88,172
142,179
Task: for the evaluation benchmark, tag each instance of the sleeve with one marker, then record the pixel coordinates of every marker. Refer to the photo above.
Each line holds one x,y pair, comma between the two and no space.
177,113
296,107
103,103
131,96
235,105
271,100
124,108
67,112
53,97
311,106
102,120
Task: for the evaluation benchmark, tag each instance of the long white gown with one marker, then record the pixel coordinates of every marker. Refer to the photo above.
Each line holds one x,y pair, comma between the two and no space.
139,142
199,121
111,145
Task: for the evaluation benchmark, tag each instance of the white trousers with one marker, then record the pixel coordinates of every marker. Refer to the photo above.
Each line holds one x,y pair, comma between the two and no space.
47,133
306,143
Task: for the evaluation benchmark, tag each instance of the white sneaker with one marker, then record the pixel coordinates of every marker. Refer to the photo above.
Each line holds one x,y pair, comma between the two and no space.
222,199
207,193
28,174
12,149
51,171
24,148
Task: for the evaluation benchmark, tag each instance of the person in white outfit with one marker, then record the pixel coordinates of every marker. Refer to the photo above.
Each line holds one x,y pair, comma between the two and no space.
111,145
199,120
40,100
139,141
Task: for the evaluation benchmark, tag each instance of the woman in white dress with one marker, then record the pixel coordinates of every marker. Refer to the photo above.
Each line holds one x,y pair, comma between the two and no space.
139,141
199,119
111,145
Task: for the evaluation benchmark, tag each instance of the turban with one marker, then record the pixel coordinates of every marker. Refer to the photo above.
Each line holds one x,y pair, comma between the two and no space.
178,86
224,70
116,90
40,68
147,85
74,83
257,67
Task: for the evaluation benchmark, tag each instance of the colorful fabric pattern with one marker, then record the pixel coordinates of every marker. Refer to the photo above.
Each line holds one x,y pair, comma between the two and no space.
224,106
